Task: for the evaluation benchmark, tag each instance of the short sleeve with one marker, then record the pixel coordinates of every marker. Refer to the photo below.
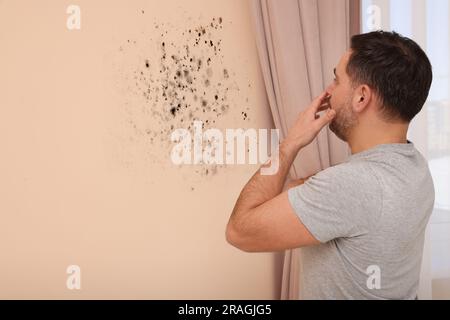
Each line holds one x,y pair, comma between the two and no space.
340,202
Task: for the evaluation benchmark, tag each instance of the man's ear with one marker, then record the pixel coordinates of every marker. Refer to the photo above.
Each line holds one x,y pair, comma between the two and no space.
362,97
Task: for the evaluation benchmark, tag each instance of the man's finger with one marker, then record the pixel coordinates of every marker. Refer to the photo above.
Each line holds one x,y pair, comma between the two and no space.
324,107
319,101
325,119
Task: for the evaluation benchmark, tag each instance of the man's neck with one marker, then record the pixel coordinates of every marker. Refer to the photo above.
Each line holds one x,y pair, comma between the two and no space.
362,140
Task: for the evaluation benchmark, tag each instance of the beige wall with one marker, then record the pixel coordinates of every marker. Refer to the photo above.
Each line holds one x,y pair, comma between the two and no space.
81,181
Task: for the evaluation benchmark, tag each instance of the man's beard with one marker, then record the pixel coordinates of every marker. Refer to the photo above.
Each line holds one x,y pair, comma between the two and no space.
344,121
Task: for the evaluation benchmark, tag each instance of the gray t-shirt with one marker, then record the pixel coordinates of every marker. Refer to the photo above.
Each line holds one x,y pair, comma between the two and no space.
370,215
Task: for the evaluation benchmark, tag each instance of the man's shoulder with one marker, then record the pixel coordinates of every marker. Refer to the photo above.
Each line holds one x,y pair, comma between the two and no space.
357,177
348,170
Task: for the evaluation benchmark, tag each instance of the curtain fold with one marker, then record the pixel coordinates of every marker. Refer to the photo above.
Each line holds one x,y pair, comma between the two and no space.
299,43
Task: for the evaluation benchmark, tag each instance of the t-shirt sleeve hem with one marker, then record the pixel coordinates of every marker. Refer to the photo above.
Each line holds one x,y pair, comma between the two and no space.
300,211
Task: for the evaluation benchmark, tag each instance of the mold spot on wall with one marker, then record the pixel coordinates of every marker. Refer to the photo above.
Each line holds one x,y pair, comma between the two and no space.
174,76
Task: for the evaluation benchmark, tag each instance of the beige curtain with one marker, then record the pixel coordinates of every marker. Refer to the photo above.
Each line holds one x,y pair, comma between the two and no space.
299,43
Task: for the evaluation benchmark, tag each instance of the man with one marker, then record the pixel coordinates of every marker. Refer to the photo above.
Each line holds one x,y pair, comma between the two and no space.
362,222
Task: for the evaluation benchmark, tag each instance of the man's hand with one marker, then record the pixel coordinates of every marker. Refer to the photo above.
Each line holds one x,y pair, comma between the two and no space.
309,123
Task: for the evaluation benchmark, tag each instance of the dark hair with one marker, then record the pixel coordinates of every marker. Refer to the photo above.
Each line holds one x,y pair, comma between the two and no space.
396,68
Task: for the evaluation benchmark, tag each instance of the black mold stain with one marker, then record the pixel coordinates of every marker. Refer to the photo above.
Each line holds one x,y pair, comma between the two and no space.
186,81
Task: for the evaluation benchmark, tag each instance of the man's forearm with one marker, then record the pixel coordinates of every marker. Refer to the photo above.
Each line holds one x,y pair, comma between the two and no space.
254,218
262,188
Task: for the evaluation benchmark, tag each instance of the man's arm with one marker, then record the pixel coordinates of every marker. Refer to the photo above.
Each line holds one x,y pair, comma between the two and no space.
262,219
